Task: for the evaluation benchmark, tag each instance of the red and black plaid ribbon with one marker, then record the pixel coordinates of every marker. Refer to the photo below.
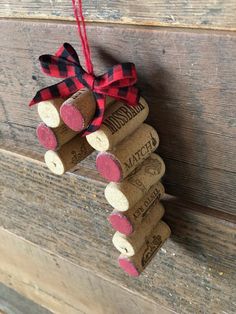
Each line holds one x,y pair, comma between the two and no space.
118,82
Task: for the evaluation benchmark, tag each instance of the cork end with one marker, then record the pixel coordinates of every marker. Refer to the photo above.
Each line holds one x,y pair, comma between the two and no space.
49,114
54,163
128,266
122,244
72,117
99,141
46,137
116,198
120,223
109,167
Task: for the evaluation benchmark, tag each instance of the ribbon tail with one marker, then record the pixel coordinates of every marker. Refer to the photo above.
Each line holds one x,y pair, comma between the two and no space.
63,89
99,114
67,52
129,95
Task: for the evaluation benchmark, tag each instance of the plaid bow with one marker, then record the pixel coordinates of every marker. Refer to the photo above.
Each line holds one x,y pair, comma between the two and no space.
118,82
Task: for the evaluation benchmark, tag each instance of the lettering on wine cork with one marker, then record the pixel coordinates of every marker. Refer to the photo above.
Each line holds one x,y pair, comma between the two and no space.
120,121
117,164
130,245
78,111
126,194
53,138
136,264
68,156
127,222
49,112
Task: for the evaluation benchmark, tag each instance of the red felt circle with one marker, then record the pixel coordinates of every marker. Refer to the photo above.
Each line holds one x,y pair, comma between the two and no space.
128,266
109,167
120,223
72,117
46,137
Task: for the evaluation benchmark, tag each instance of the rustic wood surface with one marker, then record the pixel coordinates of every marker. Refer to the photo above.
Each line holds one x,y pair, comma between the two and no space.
191,13
67,215
12,302
64,287
187,77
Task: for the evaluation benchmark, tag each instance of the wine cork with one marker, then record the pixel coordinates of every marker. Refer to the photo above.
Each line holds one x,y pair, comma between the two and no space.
136,264
127,222
120,121
117,164
78,111
54,138
49,112
130,245
68,156
127,193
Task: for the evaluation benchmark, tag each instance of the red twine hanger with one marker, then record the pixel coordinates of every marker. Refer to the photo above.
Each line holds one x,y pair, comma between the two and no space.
118,82
78,12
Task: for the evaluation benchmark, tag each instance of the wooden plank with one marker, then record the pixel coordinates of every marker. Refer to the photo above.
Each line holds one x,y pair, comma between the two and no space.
61,286
68,216
202,14
186,76
12,302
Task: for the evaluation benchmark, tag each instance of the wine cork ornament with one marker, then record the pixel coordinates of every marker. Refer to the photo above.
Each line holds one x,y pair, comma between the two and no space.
126,194
119,122
117,164
135,265
68,156
49,112
78,110
78,107
51,138
127,222
130,245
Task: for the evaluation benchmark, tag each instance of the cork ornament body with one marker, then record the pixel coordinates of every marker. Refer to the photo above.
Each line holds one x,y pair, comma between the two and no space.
119,122
131,244
124,195
135,264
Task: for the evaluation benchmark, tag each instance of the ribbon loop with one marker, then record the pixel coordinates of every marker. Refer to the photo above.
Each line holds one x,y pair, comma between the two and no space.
118,82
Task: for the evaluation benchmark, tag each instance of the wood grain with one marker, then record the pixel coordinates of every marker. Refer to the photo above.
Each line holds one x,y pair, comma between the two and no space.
61,286
12,302
67,215
190,13
187,78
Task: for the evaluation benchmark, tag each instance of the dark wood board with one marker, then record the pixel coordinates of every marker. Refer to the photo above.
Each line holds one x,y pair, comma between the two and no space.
67,215
181,13
187,77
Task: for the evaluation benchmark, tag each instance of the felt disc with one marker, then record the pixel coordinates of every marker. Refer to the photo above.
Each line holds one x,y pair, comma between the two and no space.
72,117
128,266
120,223
46,137
109,167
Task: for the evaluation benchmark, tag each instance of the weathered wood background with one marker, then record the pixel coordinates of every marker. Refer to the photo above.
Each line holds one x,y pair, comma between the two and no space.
187,75
188,78
181,13
188,275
